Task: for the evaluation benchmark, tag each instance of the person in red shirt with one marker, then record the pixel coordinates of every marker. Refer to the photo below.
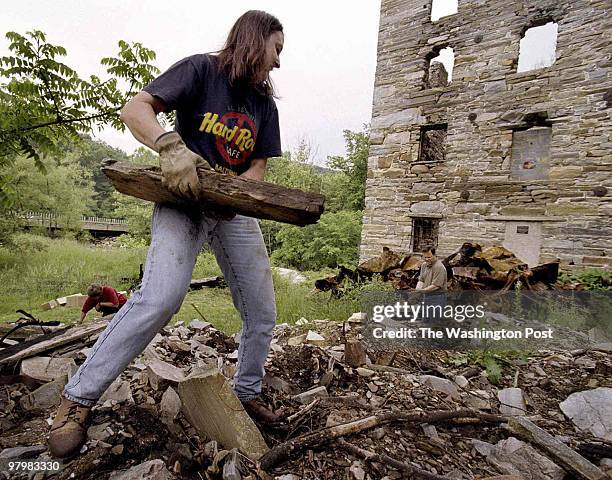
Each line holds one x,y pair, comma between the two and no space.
104,298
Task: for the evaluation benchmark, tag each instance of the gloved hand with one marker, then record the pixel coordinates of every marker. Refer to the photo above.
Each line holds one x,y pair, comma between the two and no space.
178,166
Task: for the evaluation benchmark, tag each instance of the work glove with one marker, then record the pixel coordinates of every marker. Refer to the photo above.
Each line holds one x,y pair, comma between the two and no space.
179,174
178,166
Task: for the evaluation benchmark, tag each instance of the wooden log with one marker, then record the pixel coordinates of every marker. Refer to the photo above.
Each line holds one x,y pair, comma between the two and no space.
240,195
564,455
283,451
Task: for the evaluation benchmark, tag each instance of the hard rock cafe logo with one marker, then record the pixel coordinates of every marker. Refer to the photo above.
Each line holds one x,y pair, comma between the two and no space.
235,132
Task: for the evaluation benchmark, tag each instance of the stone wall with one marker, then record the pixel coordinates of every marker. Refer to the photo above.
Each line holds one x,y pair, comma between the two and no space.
560,186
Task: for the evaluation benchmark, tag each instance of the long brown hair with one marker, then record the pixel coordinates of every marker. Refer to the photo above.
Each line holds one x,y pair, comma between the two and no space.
242,57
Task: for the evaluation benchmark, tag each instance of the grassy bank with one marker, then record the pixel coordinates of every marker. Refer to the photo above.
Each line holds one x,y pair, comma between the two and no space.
29,278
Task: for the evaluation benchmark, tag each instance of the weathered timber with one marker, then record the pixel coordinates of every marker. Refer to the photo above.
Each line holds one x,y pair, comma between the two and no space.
564,455
241,195
50,341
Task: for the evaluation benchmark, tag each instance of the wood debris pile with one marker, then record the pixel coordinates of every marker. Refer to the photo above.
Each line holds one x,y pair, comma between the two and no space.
469,268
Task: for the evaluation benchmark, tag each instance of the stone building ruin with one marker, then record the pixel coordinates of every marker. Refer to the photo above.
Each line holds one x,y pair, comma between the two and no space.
493,156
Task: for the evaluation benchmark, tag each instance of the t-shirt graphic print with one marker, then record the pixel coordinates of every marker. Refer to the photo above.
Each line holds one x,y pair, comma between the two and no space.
228,126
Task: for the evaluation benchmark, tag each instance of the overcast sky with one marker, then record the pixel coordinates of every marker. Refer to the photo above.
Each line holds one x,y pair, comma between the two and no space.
327,69
327,66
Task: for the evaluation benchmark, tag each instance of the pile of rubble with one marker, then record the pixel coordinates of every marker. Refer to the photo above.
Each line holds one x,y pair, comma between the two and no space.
349,412
469,268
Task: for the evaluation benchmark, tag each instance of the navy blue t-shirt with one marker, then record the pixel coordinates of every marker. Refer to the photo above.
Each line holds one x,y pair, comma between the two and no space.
228,126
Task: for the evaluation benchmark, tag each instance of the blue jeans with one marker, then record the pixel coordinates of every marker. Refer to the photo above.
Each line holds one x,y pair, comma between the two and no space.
176,239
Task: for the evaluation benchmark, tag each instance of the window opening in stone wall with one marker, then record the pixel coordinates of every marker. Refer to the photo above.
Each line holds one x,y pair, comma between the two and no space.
538,47
530,156
432,146
440,69
424,233
443,8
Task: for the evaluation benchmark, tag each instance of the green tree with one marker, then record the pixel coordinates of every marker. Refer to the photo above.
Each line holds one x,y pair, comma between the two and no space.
89,155
137,211
331,242
349,189
65,191
44,103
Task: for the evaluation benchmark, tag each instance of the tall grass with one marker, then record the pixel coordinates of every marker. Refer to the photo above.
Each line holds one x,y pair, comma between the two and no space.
62,267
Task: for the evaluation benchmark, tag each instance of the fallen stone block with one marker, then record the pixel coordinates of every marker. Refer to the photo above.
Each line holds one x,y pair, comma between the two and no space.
151,470
45,396
298,340
199,324
591,410
440,385
365,372
358,317
49,305
76,300
119,391
512,402
170,405
99,432
313,338
513,457
278,384
22,452
309,395
211,406
162,373
232,465
47,369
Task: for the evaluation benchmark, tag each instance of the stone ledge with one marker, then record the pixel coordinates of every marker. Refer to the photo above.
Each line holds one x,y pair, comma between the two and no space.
524,218
424,215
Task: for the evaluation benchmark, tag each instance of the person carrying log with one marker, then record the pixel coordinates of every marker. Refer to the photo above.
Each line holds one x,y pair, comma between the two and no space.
103,298
226,120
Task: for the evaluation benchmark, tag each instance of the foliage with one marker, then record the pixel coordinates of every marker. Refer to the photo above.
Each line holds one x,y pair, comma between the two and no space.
294,170
592,279
60,268
46,103
90,154
64,191
333,241
64,266
53,95
349,190
136,211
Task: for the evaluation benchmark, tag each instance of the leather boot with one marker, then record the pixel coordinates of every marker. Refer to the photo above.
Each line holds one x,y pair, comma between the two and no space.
69,430
261,413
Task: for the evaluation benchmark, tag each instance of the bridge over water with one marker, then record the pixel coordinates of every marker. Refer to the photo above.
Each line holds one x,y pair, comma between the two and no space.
97,226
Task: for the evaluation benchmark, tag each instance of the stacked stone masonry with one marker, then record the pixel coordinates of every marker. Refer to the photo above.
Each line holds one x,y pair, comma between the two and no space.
526,160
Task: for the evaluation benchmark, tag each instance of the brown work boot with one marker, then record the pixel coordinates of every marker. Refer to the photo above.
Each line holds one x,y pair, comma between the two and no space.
69,430
258,411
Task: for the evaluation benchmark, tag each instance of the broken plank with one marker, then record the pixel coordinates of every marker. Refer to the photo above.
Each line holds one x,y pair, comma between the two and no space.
51,341
241,195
